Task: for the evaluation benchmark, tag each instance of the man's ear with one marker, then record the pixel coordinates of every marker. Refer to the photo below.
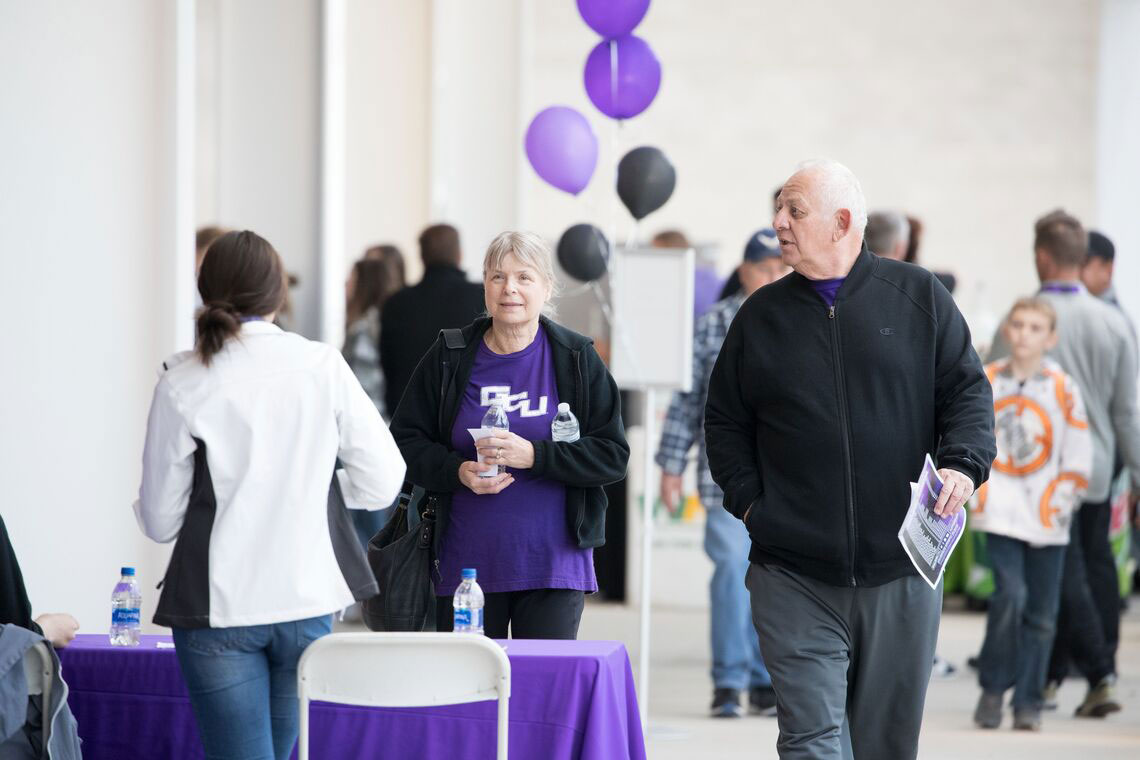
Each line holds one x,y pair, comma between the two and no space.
1051,342
842,224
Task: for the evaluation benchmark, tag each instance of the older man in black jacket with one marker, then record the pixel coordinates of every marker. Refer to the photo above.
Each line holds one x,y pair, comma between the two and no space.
828,393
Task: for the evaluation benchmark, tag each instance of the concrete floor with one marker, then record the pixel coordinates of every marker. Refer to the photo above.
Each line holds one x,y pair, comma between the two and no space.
680,691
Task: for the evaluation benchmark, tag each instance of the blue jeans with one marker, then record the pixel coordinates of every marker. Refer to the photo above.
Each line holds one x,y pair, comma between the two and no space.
243,685
1021,619
737,663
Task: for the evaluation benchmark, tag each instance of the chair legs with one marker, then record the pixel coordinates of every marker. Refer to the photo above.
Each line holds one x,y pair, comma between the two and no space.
303,734
504,713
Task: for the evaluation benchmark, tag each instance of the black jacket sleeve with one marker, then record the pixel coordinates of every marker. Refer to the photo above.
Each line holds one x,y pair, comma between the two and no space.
415,425
15,609
963,398
730,428
600,456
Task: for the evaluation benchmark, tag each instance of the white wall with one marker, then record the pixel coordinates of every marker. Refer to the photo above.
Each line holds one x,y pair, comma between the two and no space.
259,131
975,116
477,123
86,209
388,136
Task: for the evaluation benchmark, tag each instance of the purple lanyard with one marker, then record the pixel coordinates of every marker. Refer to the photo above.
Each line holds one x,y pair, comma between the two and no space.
243,320
1061,287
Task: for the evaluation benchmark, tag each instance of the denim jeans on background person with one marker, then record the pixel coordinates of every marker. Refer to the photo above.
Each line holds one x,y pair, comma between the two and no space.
243,685
737,663
1021,620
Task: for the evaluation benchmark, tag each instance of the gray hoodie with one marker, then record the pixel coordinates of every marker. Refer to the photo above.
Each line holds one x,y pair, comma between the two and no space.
16,707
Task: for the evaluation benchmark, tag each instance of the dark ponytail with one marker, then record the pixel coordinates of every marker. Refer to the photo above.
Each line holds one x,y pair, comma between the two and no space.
241,276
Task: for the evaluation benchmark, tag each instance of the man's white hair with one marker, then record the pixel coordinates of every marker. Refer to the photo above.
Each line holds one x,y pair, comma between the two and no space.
839,188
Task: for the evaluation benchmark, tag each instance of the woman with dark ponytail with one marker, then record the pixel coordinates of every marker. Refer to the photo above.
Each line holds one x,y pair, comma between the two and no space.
242,440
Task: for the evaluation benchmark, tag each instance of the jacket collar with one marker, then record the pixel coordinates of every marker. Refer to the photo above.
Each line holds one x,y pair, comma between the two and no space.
259,327
861,271
443,272
554,331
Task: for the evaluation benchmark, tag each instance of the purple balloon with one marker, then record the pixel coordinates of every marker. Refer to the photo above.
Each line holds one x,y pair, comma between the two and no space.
562,148
612,18
637,81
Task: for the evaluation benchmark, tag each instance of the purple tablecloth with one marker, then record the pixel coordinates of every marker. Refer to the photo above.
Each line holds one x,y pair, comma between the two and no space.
569,699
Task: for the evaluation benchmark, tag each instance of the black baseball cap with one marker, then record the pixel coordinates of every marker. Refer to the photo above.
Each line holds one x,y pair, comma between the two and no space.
762,245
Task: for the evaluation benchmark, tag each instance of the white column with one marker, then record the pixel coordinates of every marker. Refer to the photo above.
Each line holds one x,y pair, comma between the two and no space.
185,136
332,253
477,131
1118,143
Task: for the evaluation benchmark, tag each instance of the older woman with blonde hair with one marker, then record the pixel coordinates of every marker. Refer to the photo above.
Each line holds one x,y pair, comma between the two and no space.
530,530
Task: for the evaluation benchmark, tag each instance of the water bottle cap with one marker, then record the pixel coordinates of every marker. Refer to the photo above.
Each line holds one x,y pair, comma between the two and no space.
564,407
468,572
127,571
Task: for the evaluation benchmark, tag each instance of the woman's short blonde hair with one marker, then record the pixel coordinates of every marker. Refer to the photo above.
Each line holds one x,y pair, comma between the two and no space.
532,251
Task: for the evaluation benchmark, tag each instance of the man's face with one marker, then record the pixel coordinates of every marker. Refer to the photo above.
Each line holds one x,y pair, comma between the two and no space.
1029,334
1097,274
807,230
756,274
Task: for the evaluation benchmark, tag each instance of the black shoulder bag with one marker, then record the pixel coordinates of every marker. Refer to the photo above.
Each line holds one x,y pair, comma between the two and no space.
401,556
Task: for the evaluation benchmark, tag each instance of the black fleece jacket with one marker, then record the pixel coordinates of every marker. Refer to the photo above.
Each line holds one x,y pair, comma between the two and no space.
819,417
15,609
423,421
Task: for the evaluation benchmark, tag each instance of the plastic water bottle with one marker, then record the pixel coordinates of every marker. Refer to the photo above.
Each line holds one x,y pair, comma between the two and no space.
468,604
126,606
565,425
496,417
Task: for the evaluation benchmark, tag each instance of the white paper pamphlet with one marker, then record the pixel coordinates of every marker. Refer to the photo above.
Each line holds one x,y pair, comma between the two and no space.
928,539
478,434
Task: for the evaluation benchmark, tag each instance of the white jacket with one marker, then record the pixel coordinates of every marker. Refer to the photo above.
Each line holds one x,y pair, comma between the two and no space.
239,467
1044,456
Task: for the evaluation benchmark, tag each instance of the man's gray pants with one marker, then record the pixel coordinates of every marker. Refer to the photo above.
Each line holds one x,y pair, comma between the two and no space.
850,665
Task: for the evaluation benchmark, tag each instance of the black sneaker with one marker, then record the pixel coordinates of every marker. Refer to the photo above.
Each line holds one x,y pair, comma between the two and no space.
726,703
988,712
1026,719
762,700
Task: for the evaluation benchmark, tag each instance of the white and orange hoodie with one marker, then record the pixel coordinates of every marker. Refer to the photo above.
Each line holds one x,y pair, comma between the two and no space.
1044,456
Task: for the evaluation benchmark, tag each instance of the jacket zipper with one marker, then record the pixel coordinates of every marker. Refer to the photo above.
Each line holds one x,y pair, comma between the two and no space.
580,517
848,465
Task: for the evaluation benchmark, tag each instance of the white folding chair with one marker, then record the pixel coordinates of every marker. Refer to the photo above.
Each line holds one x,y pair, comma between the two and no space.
403,670
38,671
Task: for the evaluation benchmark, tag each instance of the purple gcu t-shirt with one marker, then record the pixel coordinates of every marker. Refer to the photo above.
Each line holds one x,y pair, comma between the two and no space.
516,539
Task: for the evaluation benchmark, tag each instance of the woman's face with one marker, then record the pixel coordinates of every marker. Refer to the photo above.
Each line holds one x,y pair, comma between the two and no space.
515,293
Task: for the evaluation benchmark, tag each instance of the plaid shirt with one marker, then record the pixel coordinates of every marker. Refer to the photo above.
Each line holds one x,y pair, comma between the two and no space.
684,422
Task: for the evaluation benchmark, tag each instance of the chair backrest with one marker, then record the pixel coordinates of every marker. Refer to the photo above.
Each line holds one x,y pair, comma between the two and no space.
403,669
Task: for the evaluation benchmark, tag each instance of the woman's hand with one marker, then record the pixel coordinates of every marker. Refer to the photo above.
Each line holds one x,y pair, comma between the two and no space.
469,476
506,448
59,628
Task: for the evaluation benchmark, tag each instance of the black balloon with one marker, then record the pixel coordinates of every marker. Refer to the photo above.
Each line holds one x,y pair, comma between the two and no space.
645,181
583,252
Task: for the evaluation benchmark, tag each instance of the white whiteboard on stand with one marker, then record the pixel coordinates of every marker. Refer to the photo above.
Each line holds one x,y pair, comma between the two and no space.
651,341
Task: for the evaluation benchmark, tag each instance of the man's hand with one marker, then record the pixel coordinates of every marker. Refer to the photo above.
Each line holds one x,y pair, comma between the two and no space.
59,628
956,488
671,492
469,476
506,448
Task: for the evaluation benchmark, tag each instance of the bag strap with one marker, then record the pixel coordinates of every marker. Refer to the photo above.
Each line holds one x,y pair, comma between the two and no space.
453,338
